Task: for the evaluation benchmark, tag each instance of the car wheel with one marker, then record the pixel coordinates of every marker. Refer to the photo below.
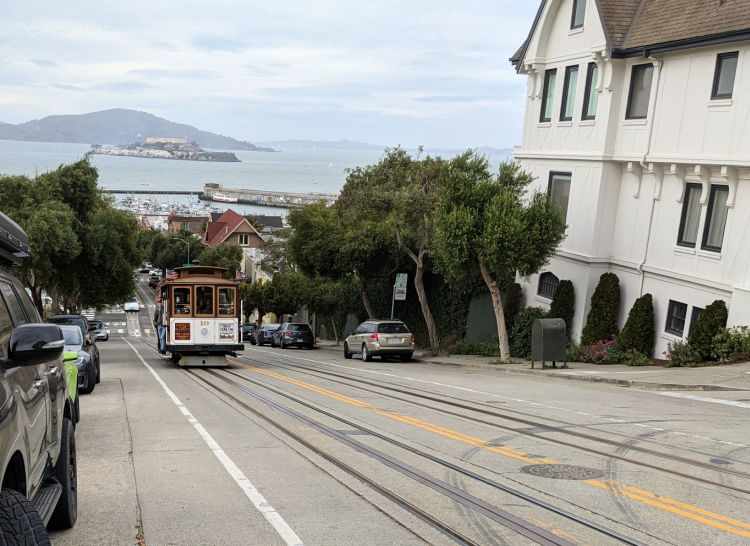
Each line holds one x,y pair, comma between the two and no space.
66,472
252,341
406,358
98,372
273,343
19,521
77,406
366,355
282,345
89,379
347,354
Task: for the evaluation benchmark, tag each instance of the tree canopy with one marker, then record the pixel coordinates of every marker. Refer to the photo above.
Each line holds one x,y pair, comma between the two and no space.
489,224
83,249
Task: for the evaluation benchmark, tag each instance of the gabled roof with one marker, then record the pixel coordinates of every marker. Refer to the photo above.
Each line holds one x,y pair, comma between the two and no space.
640,27
217,232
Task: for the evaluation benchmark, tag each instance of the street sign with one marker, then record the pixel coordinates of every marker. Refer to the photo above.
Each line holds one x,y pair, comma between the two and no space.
400,287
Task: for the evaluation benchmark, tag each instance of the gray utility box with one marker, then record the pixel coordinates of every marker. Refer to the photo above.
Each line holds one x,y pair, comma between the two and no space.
548,341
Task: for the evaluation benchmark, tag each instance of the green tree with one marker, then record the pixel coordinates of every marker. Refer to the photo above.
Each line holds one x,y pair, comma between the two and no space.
325,299
563,304
401,194
171,251
711,321
255,296
227,255
276,254
512,304
489,224
289,292
601,322
638,332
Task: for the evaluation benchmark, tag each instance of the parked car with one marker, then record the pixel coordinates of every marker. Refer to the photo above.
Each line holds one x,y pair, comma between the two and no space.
153,281
38,469
264,334
156,272
247,331
88,334
88,370
382,338
132,305
144,269
293,334
71,376
102,332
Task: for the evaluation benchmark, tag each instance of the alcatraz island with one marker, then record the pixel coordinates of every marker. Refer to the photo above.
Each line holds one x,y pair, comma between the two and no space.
165,148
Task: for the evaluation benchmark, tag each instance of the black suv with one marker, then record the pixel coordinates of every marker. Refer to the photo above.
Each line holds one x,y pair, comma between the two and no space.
37,451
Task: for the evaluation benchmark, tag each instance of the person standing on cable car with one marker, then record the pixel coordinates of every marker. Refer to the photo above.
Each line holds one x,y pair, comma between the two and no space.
161,329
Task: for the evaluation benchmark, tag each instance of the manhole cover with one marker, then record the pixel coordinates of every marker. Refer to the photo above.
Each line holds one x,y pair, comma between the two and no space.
562,471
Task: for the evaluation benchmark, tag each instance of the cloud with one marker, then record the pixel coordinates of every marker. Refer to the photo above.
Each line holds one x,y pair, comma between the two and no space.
44,63
122,86
217,44
173,74
454,98
66,86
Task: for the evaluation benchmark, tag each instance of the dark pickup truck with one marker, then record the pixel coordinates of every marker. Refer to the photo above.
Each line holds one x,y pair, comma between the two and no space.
37,451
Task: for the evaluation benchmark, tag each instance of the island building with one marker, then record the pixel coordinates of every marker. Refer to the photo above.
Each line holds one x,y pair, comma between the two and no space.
162,140
636,124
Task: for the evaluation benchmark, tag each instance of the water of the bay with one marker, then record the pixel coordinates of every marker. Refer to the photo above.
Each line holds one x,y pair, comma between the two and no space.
304,170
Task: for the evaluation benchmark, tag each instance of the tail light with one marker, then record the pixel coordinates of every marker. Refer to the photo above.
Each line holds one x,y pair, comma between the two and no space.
288,333
374,336
412,338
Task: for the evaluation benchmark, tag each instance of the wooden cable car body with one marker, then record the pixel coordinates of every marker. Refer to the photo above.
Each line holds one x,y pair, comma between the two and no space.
202,316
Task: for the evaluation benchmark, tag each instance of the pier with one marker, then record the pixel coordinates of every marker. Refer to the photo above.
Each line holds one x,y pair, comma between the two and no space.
264,198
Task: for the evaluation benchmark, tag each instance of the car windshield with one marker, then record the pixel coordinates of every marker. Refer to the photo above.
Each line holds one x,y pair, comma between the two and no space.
270,326
78,321
72,335
392,328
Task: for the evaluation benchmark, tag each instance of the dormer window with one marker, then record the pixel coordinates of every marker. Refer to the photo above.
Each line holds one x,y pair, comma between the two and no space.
726,69
640,91
579,12
569,93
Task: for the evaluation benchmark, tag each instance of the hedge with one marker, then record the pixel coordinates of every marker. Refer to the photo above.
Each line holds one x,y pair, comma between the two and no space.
601,322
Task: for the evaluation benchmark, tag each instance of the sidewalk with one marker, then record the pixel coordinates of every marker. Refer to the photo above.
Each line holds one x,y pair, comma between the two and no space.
730,377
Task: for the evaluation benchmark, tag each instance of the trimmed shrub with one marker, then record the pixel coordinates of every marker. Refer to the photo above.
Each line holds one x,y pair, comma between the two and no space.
638,359
601,322
475,348
712,320
512,305
563,304
520,336
638,332
732,344
680,353
601,352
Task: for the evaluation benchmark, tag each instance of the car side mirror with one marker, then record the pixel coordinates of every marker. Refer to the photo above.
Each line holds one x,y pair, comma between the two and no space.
32,344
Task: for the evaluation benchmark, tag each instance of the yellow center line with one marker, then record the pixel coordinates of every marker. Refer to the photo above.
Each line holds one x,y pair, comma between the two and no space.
646,497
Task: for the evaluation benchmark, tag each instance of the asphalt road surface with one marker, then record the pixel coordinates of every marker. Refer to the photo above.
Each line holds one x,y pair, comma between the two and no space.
298,446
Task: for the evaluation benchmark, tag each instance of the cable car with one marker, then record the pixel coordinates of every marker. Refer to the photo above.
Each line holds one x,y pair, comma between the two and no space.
202,315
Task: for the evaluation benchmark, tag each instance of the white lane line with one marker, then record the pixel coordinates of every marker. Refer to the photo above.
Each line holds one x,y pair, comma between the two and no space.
519,400
706,399
261,504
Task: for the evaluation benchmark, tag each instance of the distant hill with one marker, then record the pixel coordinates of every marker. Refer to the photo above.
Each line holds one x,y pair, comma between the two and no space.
325,144
117,126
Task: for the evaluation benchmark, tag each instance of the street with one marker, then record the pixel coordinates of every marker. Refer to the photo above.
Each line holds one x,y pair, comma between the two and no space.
298,446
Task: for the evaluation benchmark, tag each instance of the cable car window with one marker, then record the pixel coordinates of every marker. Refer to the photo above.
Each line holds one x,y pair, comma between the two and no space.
182,301
204,300
226,301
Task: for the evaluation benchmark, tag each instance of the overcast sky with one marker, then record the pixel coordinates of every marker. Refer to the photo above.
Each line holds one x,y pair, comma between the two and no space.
380,71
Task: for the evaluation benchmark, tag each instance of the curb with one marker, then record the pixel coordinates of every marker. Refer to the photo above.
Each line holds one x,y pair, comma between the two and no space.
643,385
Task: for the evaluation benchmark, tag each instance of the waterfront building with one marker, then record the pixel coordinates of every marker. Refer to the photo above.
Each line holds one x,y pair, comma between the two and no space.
637,125
195,224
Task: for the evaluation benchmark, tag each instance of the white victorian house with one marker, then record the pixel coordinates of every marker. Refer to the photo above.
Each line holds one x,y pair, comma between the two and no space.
637,123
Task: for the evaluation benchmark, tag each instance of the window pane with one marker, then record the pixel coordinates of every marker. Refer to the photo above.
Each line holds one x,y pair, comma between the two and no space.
6,327
204,300
571,81
691,214
549,94
16,311
694,316
640,91
726,69
559,192
226,301
579,11
676,317
592,95
548,284
717,219
181,301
